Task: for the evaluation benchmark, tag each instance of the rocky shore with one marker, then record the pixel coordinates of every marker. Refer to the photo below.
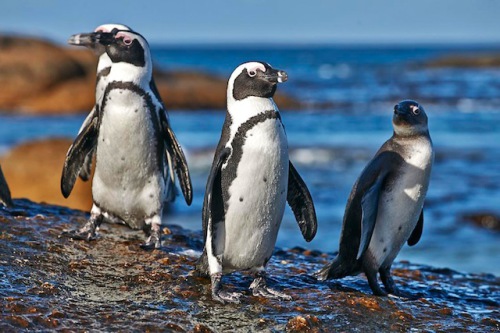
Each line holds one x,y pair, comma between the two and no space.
52,283
40,77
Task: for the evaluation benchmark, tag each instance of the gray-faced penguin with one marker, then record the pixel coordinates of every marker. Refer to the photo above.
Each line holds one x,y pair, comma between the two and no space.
5,198
137,152
249,184
385,207
103,67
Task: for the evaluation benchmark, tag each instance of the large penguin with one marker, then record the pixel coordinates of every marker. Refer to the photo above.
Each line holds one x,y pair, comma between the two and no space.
385,208
136,149
103,67
249,184
5,198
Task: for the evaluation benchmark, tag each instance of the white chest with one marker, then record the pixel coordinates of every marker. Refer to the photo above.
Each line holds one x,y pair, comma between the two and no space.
257,196
127,180
400,203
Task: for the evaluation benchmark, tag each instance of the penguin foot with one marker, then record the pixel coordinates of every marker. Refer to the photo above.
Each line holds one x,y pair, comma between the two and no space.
86,233
220,295
260,288
154,239
374,286
153,242
226,297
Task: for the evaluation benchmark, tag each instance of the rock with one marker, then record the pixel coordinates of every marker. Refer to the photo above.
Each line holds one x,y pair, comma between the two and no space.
39,77
487,220
33,171
111,284
466,61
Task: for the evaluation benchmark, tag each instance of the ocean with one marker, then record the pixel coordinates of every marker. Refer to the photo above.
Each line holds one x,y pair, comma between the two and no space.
349,93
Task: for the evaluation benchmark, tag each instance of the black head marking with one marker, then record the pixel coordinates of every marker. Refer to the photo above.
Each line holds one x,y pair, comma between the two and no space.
257,79
124,46
410,114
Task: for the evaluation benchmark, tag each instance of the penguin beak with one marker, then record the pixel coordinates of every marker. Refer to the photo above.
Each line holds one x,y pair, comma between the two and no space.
275,75
88,39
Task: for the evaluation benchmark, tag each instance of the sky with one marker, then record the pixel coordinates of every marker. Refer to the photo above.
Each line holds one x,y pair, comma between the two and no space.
263,21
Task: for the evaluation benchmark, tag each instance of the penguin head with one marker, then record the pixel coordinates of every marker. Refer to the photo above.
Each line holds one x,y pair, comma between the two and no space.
409,119
127,47
90,39
254,79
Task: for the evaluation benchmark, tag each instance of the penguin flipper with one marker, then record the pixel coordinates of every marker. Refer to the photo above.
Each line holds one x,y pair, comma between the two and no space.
213,207
301,203
369,209
417,232
87,163
83,145
369,186
178,159
5,197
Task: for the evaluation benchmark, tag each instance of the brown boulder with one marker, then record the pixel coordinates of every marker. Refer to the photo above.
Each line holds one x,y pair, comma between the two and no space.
30,67
33,171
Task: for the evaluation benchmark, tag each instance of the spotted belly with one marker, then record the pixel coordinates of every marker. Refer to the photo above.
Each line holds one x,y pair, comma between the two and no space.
127,182
257,197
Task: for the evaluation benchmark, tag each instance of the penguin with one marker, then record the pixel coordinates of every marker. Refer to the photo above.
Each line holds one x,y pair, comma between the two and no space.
103,67
385,207
5,198
250,181
136,149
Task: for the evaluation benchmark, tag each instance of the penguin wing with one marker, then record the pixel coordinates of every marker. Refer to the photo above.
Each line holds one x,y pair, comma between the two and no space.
83,145
369,209
213,205
417,232
87,163
368,187
177,158
5,197
301,203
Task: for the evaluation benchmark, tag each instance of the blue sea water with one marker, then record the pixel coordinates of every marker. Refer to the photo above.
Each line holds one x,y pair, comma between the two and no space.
330,147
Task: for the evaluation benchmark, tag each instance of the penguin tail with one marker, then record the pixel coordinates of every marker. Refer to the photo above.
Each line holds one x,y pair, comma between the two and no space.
337,269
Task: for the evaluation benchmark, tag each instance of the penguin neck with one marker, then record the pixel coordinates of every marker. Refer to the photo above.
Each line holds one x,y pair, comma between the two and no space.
104,62
122,71
242,110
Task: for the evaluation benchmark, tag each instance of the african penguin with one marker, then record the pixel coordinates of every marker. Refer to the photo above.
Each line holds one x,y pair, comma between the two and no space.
250,181
136,149
385,207
5,198
103,67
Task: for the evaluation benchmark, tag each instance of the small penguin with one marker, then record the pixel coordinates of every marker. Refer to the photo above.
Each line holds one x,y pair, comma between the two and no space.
385,207
137,152
5,198
250,181
103,67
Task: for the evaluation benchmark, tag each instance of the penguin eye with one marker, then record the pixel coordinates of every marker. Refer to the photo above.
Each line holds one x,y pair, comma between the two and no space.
127,40
416,111
252,73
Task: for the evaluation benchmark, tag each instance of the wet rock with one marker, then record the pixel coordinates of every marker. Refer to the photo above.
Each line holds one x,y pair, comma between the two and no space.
111,284
40,77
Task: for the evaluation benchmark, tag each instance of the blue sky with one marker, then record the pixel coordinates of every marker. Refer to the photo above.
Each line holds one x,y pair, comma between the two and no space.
282,21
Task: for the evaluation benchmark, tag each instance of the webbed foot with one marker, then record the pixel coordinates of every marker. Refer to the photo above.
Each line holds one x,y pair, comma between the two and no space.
260,288
87,232
154,239
220,295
